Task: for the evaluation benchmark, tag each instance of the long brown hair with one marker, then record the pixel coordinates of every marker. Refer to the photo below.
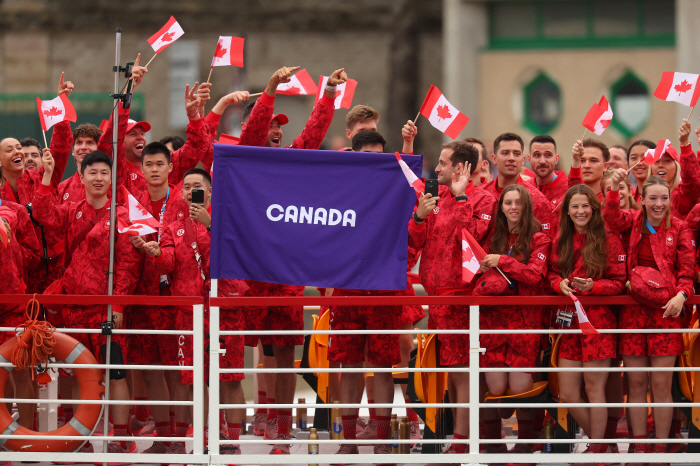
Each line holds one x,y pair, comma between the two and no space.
594,252
525,229
653,181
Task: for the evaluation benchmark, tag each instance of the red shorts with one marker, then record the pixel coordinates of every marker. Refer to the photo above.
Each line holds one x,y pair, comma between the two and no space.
12,318
153,349
92,317
454,349
231,319
274,318
510,350
591,347
649,344
382,349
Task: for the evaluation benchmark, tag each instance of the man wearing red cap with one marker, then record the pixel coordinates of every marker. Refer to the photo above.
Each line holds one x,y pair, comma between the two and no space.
132,140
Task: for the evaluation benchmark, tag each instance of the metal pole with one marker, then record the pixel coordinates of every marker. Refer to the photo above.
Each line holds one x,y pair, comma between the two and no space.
198,381
474,353
112,230
214,352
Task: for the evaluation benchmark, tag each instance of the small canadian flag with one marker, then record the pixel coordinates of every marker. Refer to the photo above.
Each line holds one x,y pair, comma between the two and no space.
651,156
679,87
55,111
583,323
413,180
301,83
343,93
142,222
472,253
442,114
229,51
168,34
599,116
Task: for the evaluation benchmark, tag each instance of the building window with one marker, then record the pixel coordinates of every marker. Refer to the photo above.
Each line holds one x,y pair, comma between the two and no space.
542,109
528,24
631,104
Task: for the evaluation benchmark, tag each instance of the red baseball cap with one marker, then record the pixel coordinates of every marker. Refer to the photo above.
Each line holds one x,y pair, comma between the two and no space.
143,124
281,117
672,152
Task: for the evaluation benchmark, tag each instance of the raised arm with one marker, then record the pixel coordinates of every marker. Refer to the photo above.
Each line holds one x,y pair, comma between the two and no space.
575,171
45,210
616,219
321,116
689,189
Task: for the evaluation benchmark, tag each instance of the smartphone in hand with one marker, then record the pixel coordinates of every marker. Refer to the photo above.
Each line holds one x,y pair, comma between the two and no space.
198,196
431,187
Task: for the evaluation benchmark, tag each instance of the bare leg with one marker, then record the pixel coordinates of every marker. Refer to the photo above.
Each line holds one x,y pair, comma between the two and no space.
157,389
637,386
661,388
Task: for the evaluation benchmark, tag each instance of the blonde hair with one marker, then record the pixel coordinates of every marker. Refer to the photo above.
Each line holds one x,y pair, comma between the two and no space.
653,181
676,179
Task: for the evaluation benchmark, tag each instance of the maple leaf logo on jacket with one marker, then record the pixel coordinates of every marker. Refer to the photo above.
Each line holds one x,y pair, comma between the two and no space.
683,87
53,112
443,112
167,37
220,51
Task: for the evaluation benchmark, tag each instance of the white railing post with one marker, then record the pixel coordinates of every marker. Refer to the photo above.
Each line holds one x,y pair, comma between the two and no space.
198,379
474,353
214,350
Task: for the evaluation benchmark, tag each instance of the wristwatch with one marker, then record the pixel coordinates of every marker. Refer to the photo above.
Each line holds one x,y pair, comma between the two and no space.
209,228
685,295
417,219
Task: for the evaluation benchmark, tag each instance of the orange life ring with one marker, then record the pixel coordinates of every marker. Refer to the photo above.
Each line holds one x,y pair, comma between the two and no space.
91,381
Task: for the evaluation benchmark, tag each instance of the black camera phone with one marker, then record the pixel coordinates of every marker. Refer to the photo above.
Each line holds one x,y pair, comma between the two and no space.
431,187
198,196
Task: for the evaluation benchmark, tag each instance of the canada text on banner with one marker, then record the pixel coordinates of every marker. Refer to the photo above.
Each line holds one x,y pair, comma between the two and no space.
311,217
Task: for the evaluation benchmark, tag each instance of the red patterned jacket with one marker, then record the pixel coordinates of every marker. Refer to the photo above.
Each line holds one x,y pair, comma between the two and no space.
555,190
87,271
614,277
674,249
439,237
177,258
27,186
13,274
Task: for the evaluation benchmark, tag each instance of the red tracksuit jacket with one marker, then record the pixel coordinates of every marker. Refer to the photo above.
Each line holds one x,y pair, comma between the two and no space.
541,205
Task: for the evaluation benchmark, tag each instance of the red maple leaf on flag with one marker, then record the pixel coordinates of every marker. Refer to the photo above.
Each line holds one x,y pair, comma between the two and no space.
683,87
142,210
294,90
53,112
467,254
605,123
167,37
220,51
443,112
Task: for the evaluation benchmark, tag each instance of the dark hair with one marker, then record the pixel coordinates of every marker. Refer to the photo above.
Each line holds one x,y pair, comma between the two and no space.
246,112
590,142
543,139
594,251
640,142
155,148
96,156
27,142
473,140
526,228
465,153
617,146
87,130
507,137
367,137
198,171
176,141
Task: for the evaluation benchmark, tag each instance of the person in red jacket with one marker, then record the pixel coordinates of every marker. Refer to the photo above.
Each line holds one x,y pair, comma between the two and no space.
681,173
435,228
589,165
87,262
166,204
543,159
662,251
509,158
20,186
519,250
586,260
85,138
